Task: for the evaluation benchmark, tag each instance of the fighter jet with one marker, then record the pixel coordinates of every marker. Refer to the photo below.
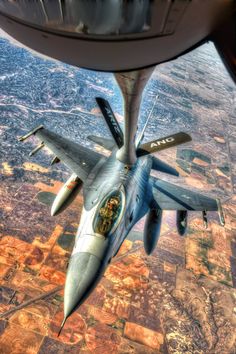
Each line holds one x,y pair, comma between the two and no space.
116,196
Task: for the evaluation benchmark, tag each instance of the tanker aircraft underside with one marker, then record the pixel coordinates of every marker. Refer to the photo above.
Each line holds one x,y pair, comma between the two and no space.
116,197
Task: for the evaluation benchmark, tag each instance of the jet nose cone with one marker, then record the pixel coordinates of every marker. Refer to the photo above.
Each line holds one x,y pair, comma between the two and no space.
83,273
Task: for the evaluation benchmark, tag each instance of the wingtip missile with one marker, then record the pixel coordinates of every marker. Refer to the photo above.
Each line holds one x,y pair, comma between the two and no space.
24,137
62,325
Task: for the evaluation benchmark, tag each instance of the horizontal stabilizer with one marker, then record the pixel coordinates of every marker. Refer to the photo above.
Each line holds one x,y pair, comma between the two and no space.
104,142
163,143
171,197
161,166
112,123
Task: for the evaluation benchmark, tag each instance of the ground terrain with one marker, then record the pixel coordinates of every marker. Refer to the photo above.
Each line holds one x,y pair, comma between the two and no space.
182,298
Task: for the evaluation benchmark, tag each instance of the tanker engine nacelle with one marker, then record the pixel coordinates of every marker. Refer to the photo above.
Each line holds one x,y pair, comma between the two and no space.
181,221
152,230
66,194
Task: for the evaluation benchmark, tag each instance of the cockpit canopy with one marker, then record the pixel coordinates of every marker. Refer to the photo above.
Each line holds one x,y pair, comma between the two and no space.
109,213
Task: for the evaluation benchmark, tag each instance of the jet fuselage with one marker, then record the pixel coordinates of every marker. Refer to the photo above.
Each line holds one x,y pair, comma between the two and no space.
99,238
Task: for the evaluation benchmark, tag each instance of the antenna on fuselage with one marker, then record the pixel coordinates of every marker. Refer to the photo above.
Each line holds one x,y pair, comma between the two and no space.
141,135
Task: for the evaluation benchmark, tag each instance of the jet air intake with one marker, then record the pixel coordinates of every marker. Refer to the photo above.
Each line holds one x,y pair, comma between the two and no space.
152,230
67,194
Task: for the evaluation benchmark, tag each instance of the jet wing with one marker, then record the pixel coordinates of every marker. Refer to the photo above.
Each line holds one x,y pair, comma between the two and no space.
78,158
171,197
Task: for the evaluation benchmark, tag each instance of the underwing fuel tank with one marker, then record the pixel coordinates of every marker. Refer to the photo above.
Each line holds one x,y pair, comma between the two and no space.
181,221
152,230
67,194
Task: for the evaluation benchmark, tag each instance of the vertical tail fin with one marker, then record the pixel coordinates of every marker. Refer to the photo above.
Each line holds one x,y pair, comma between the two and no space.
112,123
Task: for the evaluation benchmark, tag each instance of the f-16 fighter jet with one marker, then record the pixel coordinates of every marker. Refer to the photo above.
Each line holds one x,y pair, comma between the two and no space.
116,196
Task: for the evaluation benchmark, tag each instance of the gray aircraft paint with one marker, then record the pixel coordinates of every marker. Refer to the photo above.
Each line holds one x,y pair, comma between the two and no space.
138,193
134,183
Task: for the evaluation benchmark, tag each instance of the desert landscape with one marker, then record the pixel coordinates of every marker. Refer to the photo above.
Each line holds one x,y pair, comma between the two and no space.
182,298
